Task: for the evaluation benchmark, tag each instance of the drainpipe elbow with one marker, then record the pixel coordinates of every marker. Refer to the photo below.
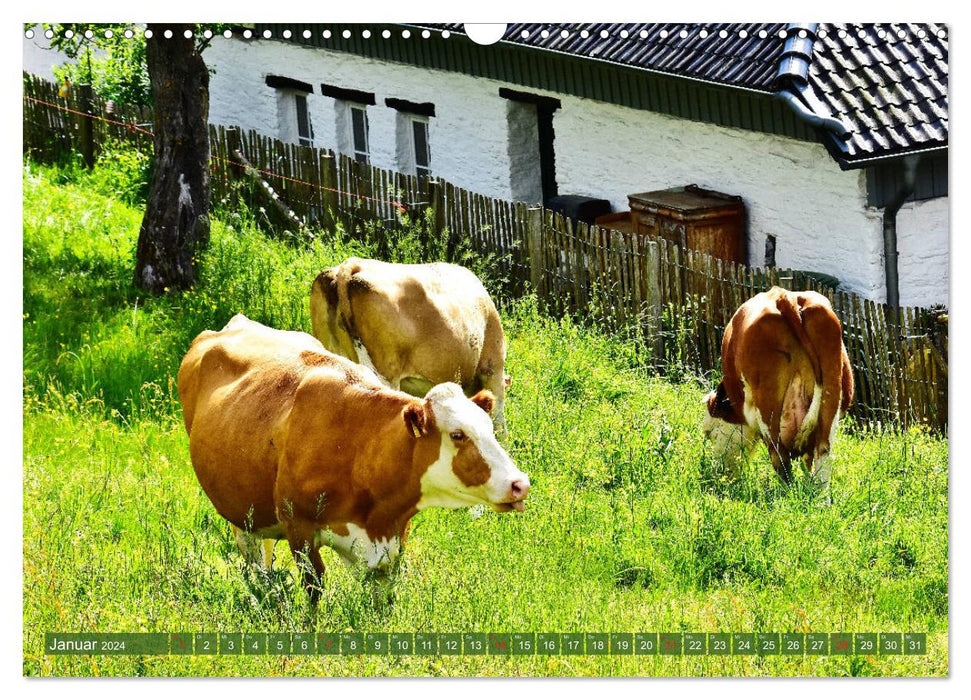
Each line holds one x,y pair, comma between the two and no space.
830,124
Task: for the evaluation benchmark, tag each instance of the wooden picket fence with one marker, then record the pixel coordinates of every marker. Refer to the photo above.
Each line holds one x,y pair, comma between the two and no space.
318,188
679,300
684,299
59,121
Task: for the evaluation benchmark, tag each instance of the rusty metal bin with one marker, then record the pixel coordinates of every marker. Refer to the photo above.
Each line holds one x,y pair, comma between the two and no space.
695,218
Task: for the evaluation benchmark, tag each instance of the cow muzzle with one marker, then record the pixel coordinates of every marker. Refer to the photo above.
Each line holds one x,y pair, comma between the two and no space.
518,490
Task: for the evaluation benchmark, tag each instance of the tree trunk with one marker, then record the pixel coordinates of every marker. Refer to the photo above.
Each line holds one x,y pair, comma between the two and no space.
176,224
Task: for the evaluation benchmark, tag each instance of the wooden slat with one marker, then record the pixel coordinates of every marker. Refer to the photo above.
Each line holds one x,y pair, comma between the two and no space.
897,361
591,262
878,331
868,361
617,275
711,288
910,369
571,275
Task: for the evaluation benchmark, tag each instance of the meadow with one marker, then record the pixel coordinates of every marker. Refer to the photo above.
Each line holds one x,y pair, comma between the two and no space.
630,525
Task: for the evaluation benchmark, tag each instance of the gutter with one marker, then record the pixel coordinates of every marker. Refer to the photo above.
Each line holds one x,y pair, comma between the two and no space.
857,163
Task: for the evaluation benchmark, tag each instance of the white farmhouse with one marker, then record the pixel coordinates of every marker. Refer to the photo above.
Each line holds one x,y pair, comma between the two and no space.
835,136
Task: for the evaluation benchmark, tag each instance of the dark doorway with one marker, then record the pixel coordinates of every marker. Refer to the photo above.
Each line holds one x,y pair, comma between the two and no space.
531,153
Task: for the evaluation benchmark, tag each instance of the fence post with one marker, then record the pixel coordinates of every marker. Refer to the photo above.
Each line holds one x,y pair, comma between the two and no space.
653,301
234,168
85,125
233,147
436,201
328,182
618,260
534,239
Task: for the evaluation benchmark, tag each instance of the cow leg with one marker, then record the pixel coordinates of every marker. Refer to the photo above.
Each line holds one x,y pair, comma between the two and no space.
822,466
268,546
497,383
499,419
300,535
254,549
782,464
822,462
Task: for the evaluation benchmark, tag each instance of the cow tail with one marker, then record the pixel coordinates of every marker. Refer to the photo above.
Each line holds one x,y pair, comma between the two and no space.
846,384
824,327
344,274
321,306
794,318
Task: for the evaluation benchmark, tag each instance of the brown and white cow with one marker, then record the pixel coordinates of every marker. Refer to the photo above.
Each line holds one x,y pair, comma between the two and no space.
414,325
786,380
291,441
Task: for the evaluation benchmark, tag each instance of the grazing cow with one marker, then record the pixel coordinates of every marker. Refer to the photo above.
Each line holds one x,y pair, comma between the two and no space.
291,441
414,325
786,380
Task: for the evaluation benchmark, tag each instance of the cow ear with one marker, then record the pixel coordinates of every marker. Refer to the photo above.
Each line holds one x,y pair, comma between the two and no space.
485,400
719,405
417,419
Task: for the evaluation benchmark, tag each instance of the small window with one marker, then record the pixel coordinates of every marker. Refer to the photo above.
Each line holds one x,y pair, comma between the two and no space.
353,136
305,133
293,113
413,149
413,152
419,147
359,133
419,130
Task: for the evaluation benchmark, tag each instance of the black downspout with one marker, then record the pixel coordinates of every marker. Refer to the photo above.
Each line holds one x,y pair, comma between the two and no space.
890,254
792,81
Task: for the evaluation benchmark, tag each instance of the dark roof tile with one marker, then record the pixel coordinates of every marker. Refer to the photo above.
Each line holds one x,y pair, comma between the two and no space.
937,109
891,90
712,57
875,137
896,87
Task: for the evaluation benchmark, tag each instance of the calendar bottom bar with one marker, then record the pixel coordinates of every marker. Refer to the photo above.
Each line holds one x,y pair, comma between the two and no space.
491,644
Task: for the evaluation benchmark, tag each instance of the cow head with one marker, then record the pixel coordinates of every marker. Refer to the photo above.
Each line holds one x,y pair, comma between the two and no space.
730,441
471,468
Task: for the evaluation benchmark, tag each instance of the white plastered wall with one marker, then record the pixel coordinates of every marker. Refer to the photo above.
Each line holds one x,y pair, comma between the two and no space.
792,189
922,247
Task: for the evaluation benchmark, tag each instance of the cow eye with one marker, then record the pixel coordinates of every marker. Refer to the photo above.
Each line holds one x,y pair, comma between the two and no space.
458,436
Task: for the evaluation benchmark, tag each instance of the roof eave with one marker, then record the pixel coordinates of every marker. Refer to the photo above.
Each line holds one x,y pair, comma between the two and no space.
614,64
858,163
831,141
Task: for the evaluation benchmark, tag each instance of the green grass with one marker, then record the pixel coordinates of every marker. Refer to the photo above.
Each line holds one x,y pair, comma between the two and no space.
629,527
